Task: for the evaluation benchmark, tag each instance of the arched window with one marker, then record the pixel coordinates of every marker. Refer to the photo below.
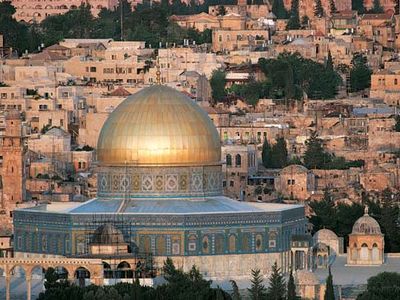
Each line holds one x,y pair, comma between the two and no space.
160,245
219,244
229,160
259,242
246,241
364,252
375,252
232,243
147,244
192,242
205,245
238,160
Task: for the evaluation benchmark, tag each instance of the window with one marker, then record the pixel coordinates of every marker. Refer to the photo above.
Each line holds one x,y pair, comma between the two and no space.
395,81
232,243
192,242
19,243
225,136
205,245
3,96
231,183
93,69
228,160
238,160
176,247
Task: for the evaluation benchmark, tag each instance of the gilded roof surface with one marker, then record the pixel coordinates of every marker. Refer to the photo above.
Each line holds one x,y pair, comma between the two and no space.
158,126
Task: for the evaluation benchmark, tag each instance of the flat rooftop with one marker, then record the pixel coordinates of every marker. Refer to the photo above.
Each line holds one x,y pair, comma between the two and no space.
208,205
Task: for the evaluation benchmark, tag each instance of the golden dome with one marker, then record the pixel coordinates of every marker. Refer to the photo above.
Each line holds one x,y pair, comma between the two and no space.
158,126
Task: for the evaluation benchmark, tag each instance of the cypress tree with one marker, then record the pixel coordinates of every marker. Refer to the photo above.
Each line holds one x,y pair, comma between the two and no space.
315,156
257,290
266,154
376,7
358,5
397,125
279,154
277,286
329,292
235,290
294,19
329,62
291,288
279,9
319,10
332,6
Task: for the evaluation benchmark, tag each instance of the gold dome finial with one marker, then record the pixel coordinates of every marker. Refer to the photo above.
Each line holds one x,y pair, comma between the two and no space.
158,72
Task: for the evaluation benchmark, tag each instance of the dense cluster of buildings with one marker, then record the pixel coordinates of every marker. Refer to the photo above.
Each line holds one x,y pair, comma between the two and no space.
116,151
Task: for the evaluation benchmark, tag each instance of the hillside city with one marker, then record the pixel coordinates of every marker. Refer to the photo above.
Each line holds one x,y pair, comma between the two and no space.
200,149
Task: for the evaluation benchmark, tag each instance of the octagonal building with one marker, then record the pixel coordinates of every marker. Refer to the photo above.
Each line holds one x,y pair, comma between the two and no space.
159,184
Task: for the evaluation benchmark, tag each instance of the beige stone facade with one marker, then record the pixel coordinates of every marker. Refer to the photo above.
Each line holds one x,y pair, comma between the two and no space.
295,182
32,11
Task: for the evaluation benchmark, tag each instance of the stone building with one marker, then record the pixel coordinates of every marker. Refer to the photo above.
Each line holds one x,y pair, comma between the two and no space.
32,11
295,182
366,242
240,162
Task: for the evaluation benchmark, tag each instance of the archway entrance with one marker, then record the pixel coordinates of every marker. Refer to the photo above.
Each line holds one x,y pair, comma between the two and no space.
2,284
61,272
82,276
18,284
124,270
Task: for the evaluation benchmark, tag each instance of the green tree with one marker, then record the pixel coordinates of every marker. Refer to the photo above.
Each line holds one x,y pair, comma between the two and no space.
291,76
388,221
385,285
315,156
257,290
279,154
358,5
323,213
291,288
329,62
51,278
360,73
266,154
294,18
376,7
235,290
217,82
277,286
278,8
329,292
318,10
332,7
397,125
15,34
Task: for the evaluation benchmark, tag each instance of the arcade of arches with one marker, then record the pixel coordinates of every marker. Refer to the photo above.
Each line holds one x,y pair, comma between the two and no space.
82,270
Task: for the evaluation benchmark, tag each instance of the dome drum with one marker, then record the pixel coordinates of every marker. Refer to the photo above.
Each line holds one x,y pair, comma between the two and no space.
130,182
